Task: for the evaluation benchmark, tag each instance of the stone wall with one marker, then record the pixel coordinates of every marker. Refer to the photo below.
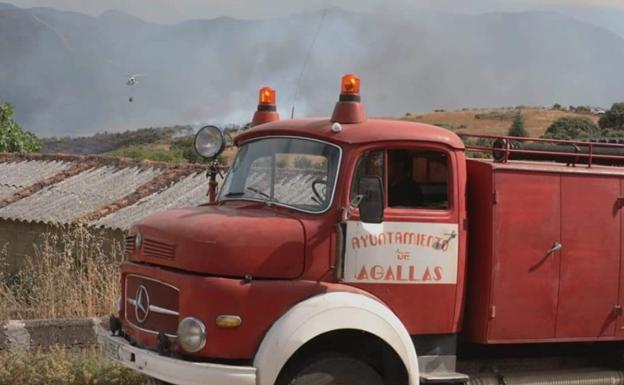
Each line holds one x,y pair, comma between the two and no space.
32,334
21,239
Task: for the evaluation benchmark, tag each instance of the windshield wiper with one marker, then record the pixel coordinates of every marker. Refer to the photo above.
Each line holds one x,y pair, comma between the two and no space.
255,190
234,194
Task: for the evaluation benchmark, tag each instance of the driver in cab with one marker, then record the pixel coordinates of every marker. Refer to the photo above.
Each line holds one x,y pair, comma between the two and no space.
403,191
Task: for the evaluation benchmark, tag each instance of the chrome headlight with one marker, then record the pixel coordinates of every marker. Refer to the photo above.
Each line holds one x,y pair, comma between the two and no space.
192,334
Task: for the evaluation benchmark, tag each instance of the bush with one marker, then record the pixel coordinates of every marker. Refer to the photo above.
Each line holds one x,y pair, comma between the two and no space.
62,366
148,152
179,151
570,127
581,109
496,115
613,118
447,126
517,127
12,137
479,142
103,142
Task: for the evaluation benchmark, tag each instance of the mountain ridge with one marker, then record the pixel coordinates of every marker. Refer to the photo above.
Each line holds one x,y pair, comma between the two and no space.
66,73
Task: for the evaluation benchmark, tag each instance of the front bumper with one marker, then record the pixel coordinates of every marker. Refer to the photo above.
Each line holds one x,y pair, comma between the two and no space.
173,370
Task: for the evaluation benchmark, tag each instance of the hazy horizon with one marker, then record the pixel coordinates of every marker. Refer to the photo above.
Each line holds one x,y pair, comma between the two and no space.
167,12
66,73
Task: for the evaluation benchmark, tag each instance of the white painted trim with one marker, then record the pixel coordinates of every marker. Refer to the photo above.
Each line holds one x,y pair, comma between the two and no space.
176,371
328,312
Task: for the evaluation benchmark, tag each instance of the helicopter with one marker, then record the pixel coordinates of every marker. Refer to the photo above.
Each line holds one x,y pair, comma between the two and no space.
132,81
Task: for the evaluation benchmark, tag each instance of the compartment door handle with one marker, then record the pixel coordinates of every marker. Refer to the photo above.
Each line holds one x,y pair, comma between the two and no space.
556,247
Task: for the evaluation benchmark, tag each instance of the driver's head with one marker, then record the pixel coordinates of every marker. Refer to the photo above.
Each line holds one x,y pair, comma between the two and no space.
399,166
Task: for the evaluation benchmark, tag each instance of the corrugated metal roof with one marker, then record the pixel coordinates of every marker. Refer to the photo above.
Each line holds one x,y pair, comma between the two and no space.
7,191
18,175
78,195
190,191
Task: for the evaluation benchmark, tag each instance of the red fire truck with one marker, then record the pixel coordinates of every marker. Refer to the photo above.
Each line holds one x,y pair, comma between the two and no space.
356,251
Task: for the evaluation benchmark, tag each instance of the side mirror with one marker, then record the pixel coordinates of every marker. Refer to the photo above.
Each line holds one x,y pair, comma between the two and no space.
371,203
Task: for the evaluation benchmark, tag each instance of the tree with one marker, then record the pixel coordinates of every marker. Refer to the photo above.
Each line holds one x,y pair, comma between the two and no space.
12,137
613,119
571,127
517,127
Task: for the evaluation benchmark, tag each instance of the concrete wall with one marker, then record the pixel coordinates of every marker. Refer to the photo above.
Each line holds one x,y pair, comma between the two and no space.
45,333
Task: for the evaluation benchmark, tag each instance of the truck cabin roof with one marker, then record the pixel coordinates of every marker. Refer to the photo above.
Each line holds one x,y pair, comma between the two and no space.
369,131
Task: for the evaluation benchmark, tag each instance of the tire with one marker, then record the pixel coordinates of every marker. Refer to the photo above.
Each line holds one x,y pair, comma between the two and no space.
336,370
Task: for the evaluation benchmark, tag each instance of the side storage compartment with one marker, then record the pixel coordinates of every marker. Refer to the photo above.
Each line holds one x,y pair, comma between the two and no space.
526,260
544,260
590,256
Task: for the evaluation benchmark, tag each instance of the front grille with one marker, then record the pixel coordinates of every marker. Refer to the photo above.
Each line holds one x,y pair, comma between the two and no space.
151,305
153,248
129,245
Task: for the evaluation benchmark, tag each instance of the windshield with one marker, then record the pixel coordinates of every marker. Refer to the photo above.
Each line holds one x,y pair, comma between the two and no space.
294,172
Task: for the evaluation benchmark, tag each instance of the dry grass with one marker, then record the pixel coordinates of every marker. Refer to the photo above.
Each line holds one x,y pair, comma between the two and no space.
72,274
536,120
62,366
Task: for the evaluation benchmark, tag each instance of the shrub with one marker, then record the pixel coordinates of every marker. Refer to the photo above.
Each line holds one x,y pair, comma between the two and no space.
517,127
447,126
148,152
12,137
570,127
613,118
62,366
478,142
496,115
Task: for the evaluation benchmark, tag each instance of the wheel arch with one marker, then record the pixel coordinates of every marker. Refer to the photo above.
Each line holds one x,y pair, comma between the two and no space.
331,313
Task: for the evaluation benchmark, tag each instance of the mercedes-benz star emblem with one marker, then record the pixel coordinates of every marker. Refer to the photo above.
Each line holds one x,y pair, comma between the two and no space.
142,303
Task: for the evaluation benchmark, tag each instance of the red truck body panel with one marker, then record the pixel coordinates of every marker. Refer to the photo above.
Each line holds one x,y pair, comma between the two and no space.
231,240
258,303
519,292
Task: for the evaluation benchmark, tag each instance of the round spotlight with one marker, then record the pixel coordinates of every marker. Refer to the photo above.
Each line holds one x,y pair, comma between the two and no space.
209,142
192,334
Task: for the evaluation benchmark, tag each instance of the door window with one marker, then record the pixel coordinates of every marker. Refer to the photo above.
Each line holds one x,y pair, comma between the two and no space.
416,179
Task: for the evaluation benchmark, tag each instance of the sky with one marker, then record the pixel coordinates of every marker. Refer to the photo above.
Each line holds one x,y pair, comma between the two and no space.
172,11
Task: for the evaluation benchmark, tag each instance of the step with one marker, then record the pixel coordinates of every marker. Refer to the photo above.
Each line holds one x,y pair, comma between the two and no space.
440,377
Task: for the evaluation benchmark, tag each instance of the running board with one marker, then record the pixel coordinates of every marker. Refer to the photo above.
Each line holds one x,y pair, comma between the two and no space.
443,377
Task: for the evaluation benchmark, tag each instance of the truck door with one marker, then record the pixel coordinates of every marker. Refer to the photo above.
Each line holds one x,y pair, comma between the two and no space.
410,259
590,256
525,260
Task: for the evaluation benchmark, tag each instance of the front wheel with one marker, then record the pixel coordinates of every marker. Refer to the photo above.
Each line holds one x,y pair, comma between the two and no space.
336,370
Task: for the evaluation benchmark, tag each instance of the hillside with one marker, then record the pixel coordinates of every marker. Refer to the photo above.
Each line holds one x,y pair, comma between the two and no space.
101,143
495,121
66,72
174,144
